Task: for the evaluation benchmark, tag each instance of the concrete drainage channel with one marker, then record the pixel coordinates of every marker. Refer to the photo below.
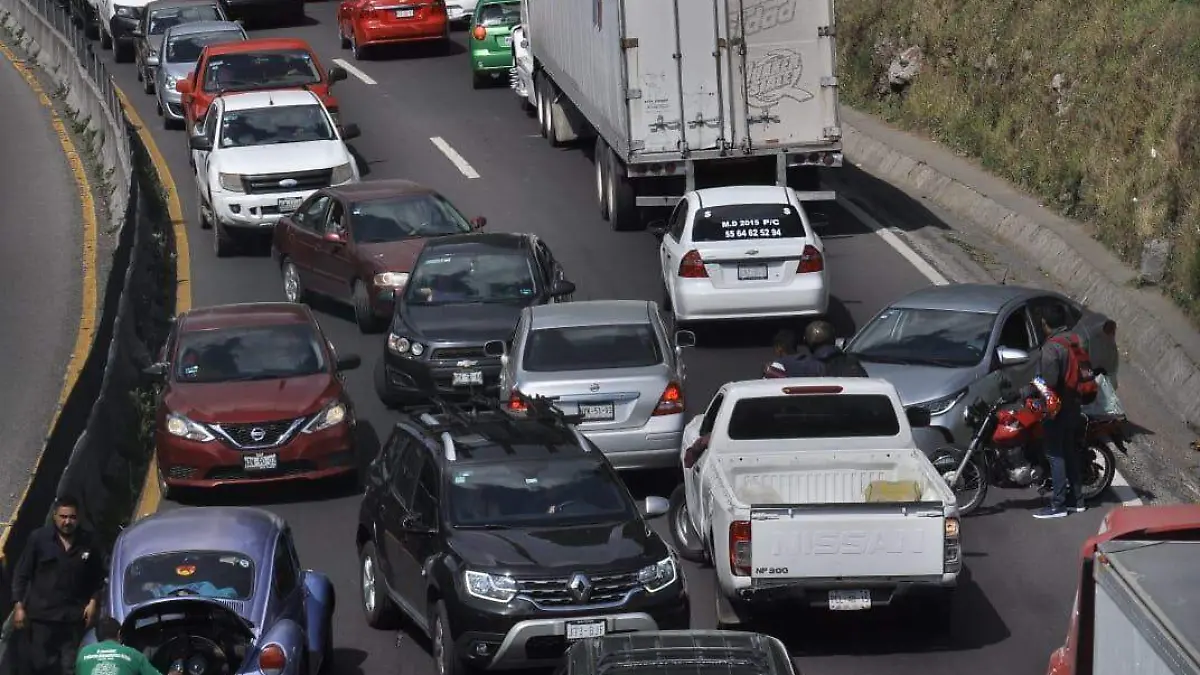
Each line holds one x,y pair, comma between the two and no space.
99,446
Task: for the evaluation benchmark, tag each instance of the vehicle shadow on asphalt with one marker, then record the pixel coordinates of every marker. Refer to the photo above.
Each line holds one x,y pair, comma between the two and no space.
902,210
902,629
754,334
416,51
347,661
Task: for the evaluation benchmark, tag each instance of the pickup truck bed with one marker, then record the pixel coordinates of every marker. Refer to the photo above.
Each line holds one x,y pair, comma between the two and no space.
770,479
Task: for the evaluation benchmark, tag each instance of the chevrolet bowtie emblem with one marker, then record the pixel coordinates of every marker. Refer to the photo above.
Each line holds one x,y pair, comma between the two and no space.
465,363
752,251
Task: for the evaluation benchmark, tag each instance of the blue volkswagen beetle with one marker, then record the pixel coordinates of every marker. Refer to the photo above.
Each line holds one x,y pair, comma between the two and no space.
220,590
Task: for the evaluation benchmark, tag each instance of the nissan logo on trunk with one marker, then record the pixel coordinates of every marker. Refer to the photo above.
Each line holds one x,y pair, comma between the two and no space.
288,183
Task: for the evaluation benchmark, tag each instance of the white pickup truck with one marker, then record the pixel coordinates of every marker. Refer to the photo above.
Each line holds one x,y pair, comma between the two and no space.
813,490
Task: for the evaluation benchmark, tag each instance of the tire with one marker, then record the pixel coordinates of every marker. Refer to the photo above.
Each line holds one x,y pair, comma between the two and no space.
147,85
622,199
170,124
122,52
363,314
343,41
106,41
378,608
293,287
164,491
381,387
1096,479
222,242
975,474
360,53
137,67
600,156
477,82
687,542
201,218
539,88
445,659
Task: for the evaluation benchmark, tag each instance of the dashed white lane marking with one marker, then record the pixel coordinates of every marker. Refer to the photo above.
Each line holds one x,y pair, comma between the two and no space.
353,70
456,159
1120,487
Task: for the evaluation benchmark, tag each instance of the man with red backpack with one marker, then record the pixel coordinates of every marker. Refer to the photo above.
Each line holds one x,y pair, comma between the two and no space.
1065,369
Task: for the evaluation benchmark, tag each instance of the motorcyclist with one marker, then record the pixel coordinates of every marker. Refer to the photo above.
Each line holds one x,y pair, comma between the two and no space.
787,357
1060,427
825,358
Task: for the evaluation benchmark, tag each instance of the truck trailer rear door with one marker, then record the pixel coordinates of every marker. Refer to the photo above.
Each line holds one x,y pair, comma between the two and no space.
655,114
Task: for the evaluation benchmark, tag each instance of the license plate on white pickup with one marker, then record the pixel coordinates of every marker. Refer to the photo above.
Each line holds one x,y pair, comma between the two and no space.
581,630
849,601
260,462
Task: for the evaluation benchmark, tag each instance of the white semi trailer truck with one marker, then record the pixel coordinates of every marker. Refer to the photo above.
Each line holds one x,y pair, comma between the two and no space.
684,94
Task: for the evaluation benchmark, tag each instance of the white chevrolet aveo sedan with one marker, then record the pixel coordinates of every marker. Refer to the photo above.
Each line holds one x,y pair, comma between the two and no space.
741,252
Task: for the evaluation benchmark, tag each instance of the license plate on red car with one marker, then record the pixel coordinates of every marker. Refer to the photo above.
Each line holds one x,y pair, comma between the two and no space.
260,462
405,13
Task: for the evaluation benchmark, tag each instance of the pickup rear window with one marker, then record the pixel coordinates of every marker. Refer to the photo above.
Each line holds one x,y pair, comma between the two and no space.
813,416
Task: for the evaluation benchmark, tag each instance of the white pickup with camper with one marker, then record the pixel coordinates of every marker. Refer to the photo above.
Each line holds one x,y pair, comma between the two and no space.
813,491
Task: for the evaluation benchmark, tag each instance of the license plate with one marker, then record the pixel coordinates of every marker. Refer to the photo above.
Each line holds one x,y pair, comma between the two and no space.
260,462
752,272
849,601
466,378
289,204
506,41
581,630
405,13
597,412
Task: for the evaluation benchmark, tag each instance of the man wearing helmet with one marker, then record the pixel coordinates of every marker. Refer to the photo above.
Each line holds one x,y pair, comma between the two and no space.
824,358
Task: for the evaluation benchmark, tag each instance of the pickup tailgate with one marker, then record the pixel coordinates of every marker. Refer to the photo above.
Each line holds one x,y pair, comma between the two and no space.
847,541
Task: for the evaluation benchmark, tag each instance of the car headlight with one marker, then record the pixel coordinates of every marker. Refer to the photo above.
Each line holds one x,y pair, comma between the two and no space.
330,416
490,586
178,425
658,576
126,12
940,406
402,345
342,174
231,182
391,279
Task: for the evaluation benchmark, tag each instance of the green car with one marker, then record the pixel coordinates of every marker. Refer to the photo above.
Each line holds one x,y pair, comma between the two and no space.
490,40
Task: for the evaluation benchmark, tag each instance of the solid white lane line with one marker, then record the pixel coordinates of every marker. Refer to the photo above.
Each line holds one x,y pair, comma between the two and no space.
353,70
456,159
1120,487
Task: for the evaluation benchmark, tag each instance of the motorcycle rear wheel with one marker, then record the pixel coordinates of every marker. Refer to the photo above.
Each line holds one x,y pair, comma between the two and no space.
972,486
1097,468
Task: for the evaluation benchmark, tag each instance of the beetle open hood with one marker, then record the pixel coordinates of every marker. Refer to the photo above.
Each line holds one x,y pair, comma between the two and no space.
192,610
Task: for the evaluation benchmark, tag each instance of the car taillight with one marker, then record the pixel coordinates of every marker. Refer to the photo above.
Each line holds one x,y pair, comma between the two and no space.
692,266
515,403
739,548
811,260
671,401
479,32
272,660
1110,328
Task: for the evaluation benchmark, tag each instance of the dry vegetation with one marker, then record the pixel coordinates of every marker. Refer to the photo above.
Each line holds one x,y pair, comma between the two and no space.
1113,140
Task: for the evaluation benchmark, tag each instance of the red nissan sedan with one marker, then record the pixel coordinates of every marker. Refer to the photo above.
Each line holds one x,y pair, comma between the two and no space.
366,24
251,393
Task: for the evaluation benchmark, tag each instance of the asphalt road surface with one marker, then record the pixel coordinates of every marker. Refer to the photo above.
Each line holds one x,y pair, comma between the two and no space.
40,274
1020,579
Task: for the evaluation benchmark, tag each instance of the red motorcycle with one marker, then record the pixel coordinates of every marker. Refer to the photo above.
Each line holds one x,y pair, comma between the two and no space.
1003,451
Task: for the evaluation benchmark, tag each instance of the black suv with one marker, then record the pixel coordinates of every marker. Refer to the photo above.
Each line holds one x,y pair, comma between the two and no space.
464,292
696,652
506,538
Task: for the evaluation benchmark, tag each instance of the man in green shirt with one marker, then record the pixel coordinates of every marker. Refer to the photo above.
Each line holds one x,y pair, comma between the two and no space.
107,656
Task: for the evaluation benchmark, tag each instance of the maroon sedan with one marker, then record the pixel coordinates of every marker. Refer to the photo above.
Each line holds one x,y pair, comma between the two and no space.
357,243
251,393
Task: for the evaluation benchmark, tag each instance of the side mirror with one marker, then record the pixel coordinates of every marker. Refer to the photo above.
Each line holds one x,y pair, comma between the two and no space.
200,143
334,238
561,288
658,228
918,417
524,44
184,86
350,131
1008,356
337,74
478,222
495,348
654,507
840,343
685,338
157,371
349,362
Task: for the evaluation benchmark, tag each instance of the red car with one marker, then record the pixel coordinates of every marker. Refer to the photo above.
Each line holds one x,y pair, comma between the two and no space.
363,24
254,65
251,393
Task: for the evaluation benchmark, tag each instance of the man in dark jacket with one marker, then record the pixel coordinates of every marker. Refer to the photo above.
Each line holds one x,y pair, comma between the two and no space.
825,358
787,356
57,588
1059,434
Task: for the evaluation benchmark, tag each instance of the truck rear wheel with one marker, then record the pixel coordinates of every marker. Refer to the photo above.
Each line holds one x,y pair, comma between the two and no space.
600,158
543,107
622,199
683,532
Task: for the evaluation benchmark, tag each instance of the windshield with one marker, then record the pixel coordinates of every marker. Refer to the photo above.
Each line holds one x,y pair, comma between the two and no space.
500,14
242,354
748,221
261,70
275,125
472,278
207,574
187,48
397,218
592,348
537,493
813,416
935,337
163,19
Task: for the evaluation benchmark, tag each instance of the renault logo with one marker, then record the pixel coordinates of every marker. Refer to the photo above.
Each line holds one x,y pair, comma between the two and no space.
595,387
288,183
580,587
257,434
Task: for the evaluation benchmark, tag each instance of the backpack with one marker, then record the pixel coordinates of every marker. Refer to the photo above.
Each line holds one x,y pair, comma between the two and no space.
1078,376
842,364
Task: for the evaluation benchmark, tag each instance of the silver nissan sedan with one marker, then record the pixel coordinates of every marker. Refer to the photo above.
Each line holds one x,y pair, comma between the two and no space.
613,364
